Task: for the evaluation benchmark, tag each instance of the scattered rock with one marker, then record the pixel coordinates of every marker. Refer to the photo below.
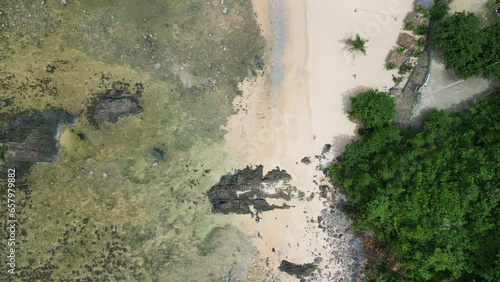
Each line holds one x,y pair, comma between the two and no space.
113,106
224,10
31,138
306,160
63,2
158,154
50,69
298,270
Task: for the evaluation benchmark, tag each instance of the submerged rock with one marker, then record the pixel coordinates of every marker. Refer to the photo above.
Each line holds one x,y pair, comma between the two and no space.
30,139
248,188
297,270
158,154
112,107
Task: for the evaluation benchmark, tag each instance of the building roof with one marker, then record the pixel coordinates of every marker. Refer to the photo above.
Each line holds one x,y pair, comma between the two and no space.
413,18
405,40
425,4
395,58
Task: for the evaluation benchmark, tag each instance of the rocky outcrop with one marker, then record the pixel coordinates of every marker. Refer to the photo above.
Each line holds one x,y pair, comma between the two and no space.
113,106
30,139
244,192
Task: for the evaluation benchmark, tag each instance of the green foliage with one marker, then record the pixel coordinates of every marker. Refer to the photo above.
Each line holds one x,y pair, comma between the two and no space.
390,66
421,42
418,51
405,68
467,48
372,108
397,79
357,44
3,151
430,197
400,50
491,52
421,29
440,9
408,26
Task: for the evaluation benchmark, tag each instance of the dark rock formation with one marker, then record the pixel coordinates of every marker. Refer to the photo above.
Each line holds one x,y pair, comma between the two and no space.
238,192
277,174
158,154
31,138
114,106
306,160
297,270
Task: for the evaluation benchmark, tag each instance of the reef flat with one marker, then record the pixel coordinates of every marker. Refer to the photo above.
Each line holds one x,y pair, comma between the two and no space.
106,208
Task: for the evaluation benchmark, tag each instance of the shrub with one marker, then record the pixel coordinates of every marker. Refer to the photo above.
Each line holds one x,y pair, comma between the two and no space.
421,29
390,66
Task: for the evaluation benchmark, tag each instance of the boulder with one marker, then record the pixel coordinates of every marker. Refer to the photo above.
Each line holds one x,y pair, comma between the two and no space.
306,160
112,107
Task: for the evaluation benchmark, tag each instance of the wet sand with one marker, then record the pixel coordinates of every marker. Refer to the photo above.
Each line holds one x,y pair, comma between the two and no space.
309,110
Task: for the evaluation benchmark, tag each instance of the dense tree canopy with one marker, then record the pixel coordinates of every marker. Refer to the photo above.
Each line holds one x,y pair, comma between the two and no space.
431,197
440,9
461,42
467,47
492,48
372,108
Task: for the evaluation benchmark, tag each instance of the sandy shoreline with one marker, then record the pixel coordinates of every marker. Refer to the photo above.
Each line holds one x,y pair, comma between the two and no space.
307,112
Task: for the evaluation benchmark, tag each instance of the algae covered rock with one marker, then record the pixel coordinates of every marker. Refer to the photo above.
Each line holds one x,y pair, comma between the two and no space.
111,108
31,138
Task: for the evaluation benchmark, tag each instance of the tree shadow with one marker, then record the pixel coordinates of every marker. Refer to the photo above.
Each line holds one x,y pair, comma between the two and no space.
340,141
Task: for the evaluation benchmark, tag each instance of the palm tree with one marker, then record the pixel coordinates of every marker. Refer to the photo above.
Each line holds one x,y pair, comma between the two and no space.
357,44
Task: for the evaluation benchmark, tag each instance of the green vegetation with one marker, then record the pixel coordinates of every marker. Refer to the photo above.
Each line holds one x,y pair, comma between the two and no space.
390,66
421,29
492,51
400,50
405,68
357,44
3,151
440,9
373,108
421,42
461,43
467,48
430,197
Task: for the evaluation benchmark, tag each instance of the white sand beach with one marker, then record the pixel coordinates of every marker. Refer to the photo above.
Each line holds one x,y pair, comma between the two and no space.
295,108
